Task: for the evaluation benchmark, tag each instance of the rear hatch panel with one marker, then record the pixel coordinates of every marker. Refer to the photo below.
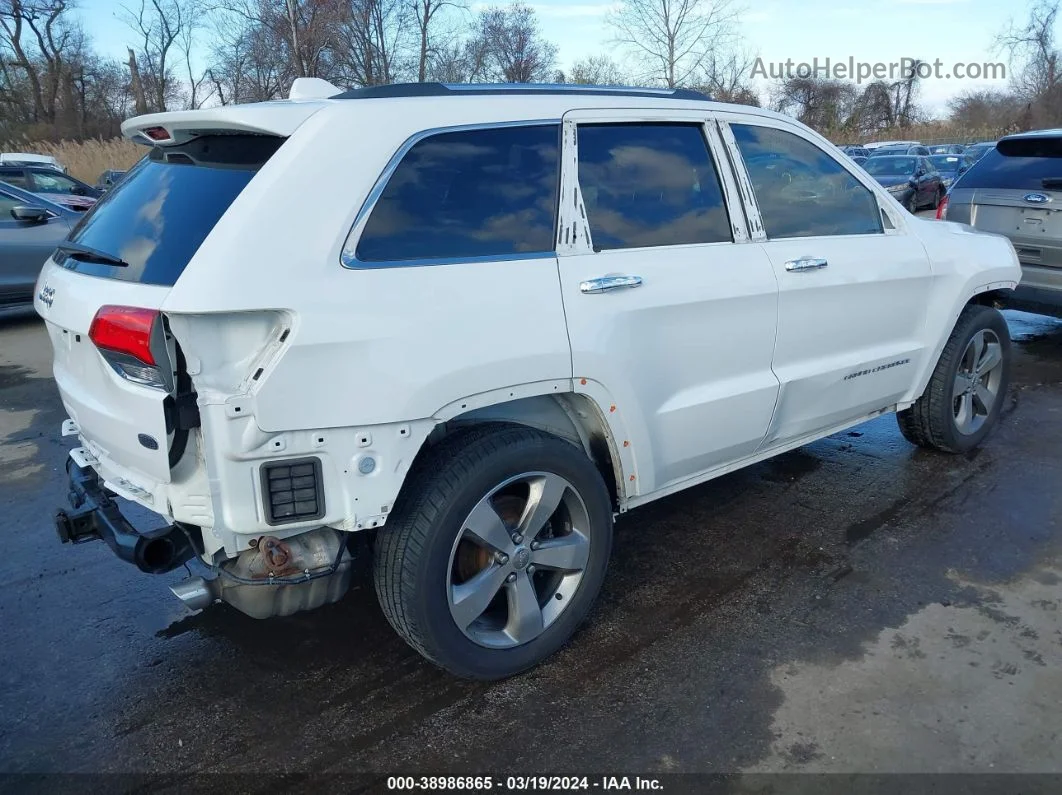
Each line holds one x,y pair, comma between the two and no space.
129,251
112,414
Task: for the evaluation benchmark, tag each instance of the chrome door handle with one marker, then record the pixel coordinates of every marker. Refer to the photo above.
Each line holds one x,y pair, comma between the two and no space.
806,264
603,284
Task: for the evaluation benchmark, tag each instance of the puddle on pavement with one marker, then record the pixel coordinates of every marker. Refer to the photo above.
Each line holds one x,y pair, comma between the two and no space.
935,694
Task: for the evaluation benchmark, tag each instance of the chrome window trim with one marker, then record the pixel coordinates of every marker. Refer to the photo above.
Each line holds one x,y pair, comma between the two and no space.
348,255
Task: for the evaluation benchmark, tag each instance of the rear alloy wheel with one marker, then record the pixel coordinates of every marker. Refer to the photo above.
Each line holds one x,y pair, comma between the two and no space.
965,395
513,569
495,551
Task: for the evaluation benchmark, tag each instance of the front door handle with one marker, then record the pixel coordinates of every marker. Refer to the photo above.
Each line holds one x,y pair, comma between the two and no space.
603,284
806,264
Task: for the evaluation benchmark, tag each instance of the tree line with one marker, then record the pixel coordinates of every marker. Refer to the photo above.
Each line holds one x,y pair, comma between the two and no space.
183,54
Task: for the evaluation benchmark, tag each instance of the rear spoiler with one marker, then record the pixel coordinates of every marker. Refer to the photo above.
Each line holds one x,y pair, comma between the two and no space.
280,118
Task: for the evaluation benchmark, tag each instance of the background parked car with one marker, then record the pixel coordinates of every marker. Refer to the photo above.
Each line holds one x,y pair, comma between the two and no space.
30,159
108,179
859,160
854,151
870,147
30,229
911,180
1016,188
52,185
900,149
951,167
976,151
946,149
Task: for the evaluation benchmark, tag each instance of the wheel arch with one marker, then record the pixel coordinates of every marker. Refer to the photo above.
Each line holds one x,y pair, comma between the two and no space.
576,418
987,294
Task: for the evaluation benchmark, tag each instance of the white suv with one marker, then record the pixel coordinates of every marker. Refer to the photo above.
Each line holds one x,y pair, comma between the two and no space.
471,325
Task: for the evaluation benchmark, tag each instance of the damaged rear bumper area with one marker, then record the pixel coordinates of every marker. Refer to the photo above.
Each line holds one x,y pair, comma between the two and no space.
94,515
275,577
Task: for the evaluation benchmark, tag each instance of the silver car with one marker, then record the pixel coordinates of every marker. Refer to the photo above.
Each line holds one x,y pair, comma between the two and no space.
30,229
1015,189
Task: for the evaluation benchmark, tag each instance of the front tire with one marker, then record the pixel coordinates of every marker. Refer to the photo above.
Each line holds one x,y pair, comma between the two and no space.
495,550
964,398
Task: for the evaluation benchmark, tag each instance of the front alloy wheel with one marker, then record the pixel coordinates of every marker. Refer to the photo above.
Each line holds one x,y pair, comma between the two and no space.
977,382
964,397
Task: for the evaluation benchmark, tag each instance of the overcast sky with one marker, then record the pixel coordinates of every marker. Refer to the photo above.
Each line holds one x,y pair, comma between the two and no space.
954,31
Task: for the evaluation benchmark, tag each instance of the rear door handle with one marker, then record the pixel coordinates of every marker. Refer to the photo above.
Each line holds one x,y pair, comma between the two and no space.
806,264
604,284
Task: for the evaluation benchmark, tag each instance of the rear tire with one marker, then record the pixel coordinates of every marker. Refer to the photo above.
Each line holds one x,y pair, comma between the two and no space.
965,395
475,569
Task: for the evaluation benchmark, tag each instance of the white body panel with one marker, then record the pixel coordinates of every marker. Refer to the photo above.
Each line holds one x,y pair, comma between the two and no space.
722,357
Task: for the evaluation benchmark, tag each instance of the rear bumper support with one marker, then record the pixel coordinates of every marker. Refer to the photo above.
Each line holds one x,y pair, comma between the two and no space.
96,516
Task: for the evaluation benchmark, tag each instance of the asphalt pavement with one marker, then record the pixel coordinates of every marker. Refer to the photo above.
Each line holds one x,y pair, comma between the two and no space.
857,605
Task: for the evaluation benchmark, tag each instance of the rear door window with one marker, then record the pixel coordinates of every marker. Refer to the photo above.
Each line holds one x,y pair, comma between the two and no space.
1029,164
650,185
466,195
157,217
16,177
802,191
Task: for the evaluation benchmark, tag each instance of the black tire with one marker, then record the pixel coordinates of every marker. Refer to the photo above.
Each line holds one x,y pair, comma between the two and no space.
412,557
931,421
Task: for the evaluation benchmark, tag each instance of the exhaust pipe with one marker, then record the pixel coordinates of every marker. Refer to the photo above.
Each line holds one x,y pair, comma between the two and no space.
196,592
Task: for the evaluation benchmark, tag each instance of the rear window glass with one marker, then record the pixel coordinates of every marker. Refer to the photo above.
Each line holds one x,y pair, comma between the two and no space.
1031,164
159,214
466,195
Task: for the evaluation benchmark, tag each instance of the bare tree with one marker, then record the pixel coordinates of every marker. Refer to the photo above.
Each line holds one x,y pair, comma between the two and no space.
600,70
986,109
1036,63
39,37
459,61
198,82
822,104
159,25
724,75
425,13
372,37
671,39
515,51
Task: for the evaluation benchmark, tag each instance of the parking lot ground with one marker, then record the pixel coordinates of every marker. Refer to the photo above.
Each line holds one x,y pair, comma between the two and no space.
857,605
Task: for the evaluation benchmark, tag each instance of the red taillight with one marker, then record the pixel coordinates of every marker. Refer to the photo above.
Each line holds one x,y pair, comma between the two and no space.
942,210
157,133
125,329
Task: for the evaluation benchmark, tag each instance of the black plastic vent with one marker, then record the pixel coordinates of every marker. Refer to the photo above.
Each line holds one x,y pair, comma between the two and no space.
293,491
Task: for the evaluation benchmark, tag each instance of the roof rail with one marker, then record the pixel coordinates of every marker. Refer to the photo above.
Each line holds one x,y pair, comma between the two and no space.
397,90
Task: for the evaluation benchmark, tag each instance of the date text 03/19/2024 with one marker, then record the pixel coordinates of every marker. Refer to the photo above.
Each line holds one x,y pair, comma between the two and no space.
473,784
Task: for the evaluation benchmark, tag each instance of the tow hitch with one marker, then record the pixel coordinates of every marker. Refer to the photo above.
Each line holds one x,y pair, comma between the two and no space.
96,516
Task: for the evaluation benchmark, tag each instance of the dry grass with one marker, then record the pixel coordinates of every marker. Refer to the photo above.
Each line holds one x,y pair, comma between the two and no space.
87,159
